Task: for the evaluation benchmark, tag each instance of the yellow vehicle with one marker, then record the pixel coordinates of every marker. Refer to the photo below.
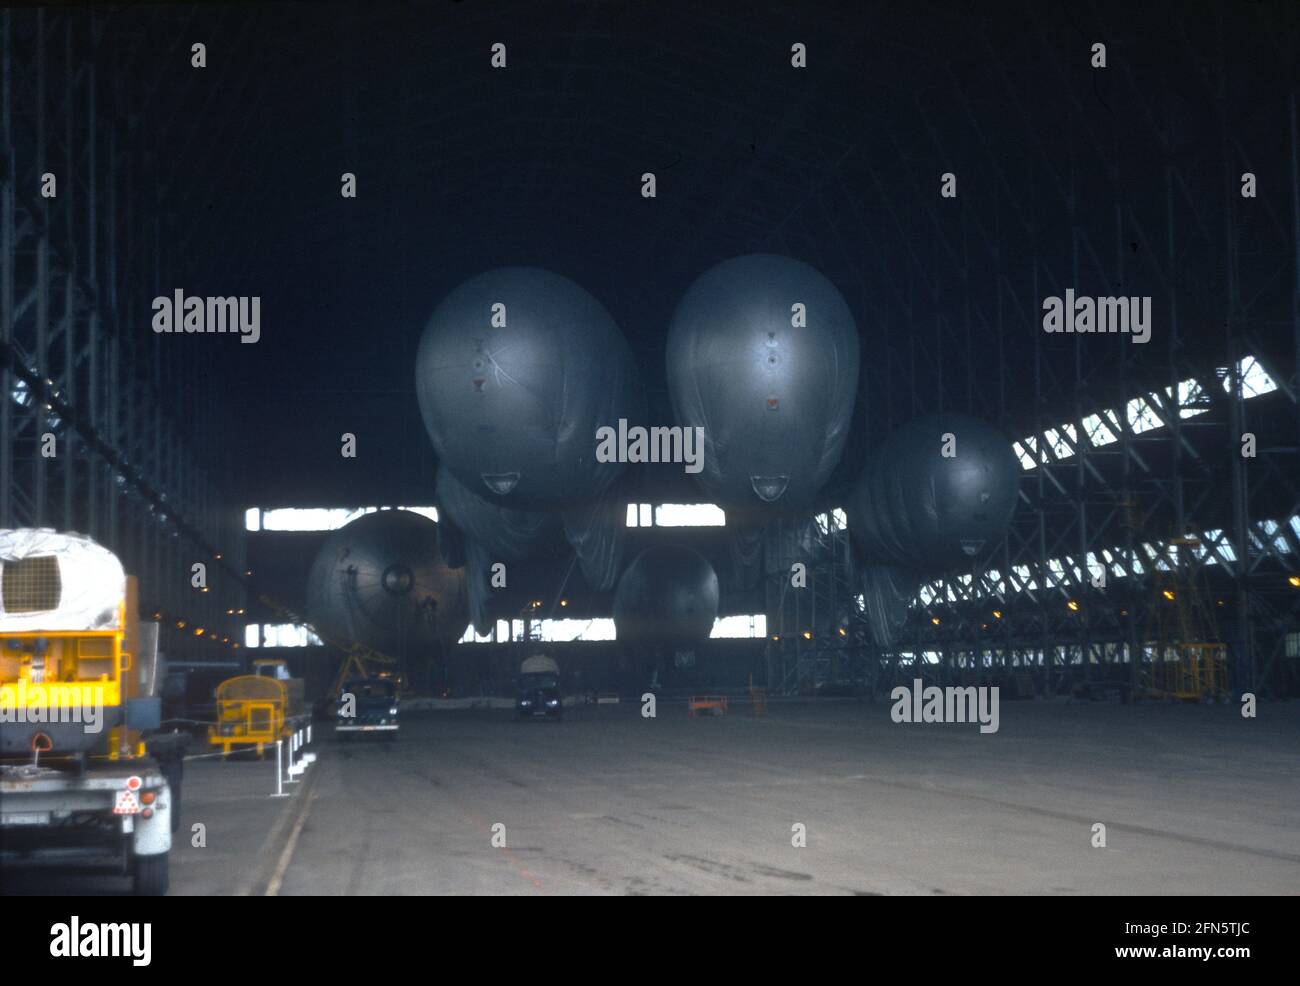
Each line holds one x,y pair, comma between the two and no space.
78,681
255,710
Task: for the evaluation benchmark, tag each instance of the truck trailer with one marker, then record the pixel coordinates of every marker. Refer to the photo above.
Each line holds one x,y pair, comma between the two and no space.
79,680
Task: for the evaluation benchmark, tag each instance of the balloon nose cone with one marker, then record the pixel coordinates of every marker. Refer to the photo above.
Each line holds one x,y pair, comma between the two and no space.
769,488
501,483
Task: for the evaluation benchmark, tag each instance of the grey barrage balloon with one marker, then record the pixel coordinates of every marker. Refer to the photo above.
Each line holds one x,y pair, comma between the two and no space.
516,370
380,581
915,506
667,597
763,355
506,534
476,535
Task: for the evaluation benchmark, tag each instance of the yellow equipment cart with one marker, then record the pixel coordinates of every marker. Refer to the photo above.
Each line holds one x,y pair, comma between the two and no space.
252,710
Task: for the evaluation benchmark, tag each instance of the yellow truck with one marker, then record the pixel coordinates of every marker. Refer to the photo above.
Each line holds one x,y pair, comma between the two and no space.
254,710
78,691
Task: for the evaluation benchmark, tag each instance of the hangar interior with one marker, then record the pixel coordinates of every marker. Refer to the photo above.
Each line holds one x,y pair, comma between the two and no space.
1128,178
944,171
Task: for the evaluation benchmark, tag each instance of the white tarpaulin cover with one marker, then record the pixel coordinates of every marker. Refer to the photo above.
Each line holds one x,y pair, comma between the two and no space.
92,583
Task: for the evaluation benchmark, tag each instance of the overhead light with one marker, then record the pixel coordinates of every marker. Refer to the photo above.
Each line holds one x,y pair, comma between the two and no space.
564,602
198,631
776,636
1074,606
1168,594
997,614
807,635
1295,581
934,620
843,632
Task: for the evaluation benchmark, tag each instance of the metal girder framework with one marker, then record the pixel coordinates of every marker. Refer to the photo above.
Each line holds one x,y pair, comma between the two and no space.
93,418
1038,601
1086,504
817,633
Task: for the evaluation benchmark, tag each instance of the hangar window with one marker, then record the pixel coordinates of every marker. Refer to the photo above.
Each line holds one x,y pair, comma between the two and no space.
639,515
550,631
1061,440
1214,548
836,520
1254,379
316,518
565,630
279,635
746,627
1025,451
1192,399
1272,531
1142,416
1097,430
675,515
690,515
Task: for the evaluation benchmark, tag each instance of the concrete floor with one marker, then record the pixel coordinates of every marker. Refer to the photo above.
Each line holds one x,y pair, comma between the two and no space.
1196,800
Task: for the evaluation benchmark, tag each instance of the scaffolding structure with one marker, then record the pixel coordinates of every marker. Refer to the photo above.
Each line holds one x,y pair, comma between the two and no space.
1125,451
100,425
818,638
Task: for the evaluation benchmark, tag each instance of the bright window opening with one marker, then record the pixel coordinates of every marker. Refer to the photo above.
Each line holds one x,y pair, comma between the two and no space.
279,635
746,627
1097,430
836,520
1254,379
316,518
690,515
675,515
1141,416
544,631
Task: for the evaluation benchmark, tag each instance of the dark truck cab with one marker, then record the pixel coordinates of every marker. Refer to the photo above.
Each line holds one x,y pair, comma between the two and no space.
367,705
539,689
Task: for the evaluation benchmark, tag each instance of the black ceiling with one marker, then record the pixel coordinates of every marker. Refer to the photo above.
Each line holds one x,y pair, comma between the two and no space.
1064,176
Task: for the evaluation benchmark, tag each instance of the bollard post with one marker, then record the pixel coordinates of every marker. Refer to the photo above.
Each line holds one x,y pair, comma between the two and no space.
279,770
